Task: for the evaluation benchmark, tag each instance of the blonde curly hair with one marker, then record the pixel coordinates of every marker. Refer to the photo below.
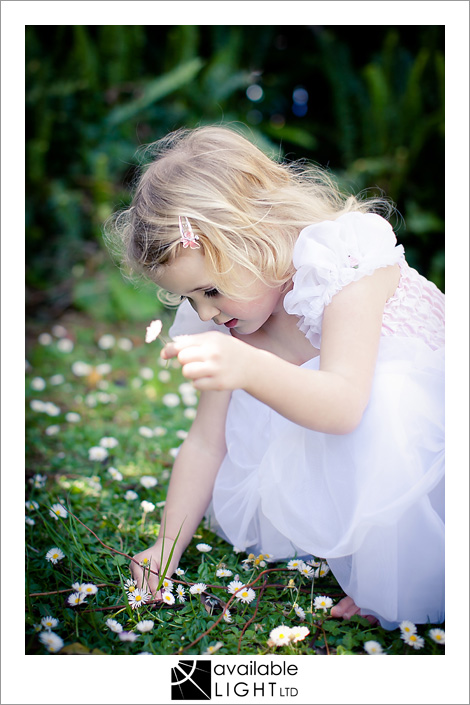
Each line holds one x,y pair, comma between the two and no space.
246,208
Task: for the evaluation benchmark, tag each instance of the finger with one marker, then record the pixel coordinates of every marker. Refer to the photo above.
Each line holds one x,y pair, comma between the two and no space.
169,351
194,353
196,370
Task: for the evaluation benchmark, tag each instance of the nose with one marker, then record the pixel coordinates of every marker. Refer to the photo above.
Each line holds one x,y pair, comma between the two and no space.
206,311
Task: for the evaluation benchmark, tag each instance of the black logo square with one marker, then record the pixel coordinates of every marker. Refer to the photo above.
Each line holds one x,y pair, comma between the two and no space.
191,680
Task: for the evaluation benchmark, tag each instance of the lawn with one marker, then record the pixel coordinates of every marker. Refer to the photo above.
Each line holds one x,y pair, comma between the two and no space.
104,419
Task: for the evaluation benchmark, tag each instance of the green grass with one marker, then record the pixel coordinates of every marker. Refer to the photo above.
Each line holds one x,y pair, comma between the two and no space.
103,529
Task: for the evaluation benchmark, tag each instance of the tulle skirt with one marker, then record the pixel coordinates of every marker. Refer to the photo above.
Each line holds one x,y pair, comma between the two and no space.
371,502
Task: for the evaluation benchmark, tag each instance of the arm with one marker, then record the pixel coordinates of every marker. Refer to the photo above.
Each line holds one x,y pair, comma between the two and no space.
191,484
332,399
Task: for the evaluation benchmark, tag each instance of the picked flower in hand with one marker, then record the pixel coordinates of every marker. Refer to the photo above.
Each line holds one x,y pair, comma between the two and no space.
153,331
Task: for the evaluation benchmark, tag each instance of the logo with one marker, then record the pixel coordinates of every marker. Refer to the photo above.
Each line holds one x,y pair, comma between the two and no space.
191,680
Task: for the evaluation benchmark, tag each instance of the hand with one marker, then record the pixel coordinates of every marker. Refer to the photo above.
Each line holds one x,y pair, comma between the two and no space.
213,361
155,557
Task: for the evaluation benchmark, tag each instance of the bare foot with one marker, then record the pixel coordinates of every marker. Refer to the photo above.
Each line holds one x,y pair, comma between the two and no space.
347,608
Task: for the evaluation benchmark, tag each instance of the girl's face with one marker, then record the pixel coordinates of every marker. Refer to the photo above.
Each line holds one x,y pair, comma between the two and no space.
189,277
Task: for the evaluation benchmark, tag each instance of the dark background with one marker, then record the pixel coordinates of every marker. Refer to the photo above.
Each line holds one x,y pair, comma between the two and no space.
370,108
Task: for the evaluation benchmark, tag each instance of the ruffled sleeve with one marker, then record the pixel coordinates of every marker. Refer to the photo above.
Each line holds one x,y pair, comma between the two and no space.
330,255
187,322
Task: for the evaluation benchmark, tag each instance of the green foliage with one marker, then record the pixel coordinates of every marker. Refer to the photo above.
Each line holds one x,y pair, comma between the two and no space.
95,94
102,525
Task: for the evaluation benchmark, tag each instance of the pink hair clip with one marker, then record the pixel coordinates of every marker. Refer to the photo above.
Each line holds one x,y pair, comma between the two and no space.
188,238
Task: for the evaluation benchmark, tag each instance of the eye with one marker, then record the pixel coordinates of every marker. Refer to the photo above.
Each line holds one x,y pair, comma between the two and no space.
211,292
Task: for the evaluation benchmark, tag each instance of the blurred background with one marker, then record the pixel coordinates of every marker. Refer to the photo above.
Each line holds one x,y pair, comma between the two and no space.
365,101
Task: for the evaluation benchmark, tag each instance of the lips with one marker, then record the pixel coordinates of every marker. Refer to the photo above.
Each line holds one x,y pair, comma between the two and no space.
230,324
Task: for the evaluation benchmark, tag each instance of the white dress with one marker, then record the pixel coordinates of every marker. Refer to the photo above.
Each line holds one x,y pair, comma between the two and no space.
371,502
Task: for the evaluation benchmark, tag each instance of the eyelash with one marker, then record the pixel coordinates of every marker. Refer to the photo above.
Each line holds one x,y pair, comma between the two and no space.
209,293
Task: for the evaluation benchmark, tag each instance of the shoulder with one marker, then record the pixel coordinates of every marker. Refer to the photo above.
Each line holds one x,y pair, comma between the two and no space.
332,254
347,240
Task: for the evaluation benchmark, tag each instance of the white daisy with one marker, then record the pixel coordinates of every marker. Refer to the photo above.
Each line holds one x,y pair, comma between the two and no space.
39,481
159,431
145,626
181,593
299,633
417,642
130,585
106,342
45,339
214,648
59,331
54,555
72,417
170,400
52,430
148,482
306,571
323,603
164,376
294,564
65,345
97,453
197,588
29,521
53,642
128,636
299,611
373,647
190,414
113,625
179,571
51,409
280,635
168,598
131,495
322,570
125,344
203,547
223,573
109,442
227,616
438,635
153,331
146,432
81,369
115,474
56,380
146,373
37,405
147,506
49,622
89,589
58,510
234,585
407,628
76,598
246,595
31,505
138,598
167,585
38,384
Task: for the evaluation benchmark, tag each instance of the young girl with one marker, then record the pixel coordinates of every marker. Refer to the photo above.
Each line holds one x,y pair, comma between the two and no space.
318,353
